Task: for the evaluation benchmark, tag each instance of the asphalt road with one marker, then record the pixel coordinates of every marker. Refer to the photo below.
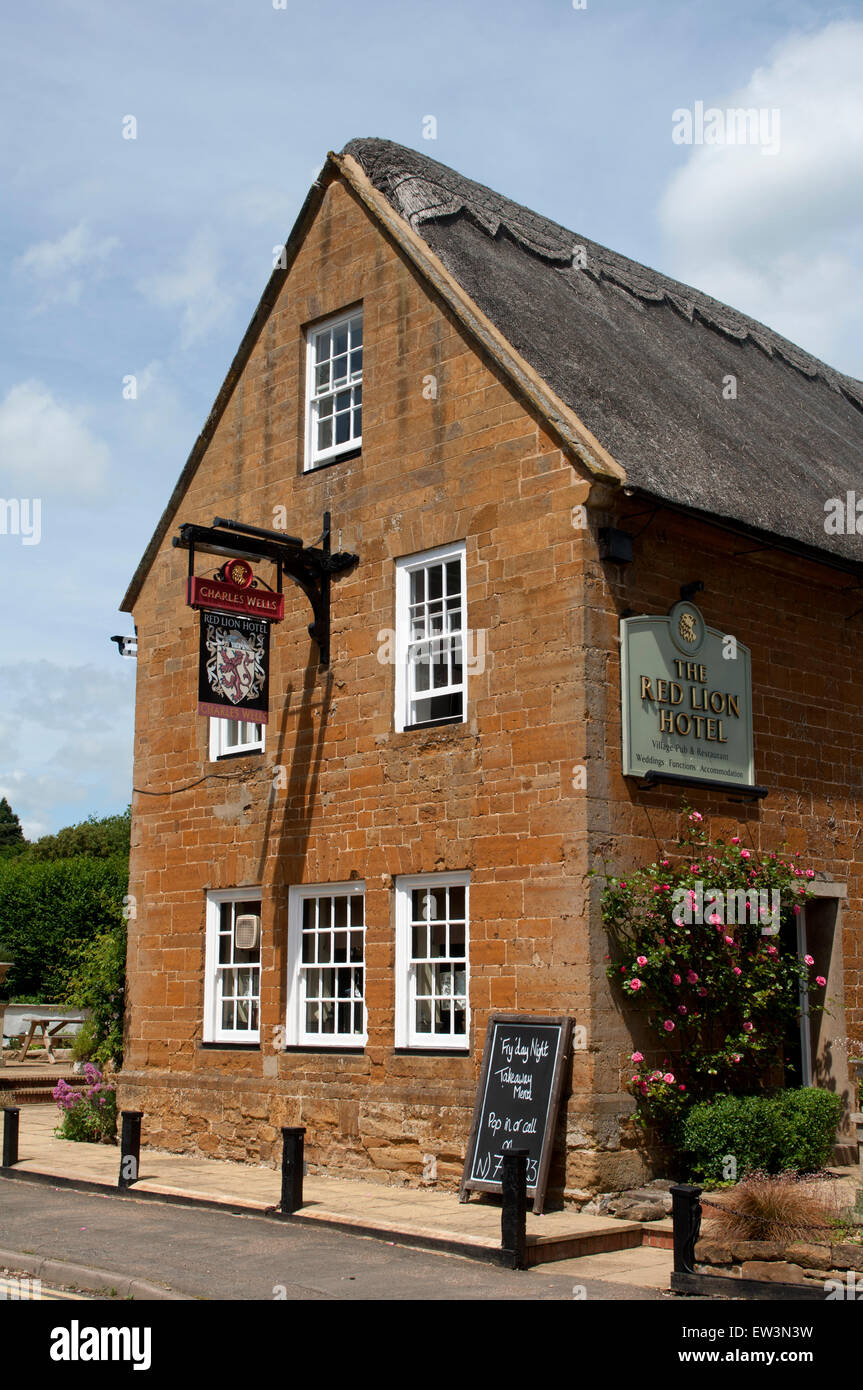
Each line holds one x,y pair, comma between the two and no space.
215,1255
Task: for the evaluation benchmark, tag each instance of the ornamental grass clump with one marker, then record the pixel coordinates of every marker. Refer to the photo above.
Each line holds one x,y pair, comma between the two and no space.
89,1116
783,1209
696,950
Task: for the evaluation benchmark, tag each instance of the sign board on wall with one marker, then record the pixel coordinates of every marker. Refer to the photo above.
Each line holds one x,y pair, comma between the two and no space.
686,696
233,667
517,1101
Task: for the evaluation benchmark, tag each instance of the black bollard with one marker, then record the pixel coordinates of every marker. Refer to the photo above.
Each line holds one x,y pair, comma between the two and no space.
130,1147
292,1169
513,1216
686,1216
10,1136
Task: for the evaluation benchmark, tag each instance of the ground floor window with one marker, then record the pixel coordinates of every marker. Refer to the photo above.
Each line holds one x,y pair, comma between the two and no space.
432,960
326,966
232,987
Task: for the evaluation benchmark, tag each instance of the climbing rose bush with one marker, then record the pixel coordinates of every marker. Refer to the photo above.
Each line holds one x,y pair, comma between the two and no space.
718,994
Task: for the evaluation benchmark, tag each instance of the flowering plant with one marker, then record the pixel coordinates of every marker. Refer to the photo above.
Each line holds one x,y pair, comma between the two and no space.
89,1116
698,946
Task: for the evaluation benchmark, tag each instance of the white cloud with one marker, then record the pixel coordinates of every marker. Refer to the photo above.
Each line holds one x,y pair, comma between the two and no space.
52,266
47,447
65,741
779,235
196,287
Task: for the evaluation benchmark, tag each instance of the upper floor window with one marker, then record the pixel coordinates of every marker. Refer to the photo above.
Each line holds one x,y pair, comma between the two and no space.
334,404
234,736
431,622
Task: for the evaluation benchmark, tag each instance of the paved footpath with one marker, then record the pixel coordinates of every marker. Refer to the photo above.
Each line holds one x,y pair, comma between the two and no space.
411,1215
208,1254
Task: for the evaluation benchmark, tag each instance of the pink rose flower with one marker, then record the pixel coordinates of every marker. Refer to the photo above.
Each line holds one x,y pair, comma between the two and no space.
703,992
810,873
641,960
729,940
810,960
748,1027
668,1077
820,981
675,979
681,1088
715,920
668,1025
691,977
656,1076
635,983
637,1057
735,839
797,910
681,1009
744,854
695,816
737,970
772,951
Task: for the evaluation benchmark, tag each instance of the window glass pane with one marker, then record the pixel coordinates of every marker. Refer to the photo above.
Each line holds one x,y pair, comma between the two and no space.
343,428
325,434
322,376
418,580
435,581
356,910
358,424
453,577
340,340
340,946
438,939
356,362
456,939
322,345
357,330
423,1016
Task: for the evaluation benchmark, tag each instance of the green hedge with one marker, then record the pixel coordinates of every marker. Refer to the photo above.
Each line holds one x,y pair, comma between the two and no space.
48,909
793,1131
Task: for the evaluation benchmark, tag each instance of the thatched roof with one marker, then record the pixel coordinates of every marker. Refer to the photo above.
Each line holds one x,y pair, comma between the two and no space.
642,359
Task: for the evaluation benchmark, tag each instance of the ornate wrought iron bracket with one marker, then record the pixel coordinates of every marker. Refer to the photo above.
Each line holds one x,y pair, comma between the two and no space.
310,567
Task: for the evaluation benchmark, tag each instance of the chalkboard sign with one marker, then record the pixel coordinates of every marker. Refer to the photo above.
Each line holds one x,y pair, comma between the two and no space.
517,1101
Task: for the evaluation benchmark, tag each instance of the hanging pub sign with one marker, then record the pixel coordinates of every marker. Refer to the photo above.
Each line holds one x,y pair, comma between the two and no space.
233,667
235,592
686,694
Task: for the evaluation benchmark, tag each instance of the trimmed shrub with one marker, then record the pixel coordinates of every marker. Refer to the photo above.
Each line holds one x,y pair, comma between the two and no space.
730,1136
791,1132
808,1120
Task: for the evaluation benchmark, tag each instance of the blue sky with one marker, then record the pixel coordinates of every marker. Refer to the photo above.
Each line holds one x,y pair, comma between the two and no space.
146,256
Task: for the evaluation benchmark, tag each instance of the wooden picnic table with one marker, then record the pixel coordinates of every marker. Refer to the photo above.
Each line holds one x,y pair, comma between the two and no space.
51,1025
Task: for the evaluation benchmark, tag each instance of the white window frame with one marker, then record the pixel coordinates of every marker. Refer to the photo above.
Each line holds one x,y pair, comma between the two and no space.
316,457
249,742
296,1034
213,1030
406,1033
406,697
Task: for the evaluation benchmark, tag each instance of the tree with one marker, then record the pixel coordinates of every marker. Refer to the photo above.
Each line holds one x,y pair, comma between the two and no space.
99,838
11,835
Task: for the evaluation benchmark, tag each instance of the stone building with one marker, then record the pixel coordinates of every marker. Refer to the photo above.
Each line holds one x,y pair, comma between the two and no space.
523,437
